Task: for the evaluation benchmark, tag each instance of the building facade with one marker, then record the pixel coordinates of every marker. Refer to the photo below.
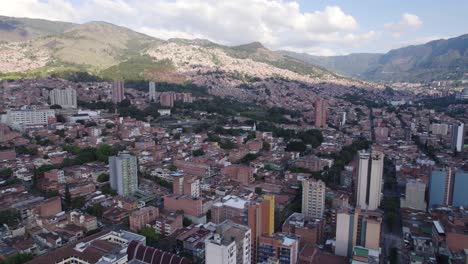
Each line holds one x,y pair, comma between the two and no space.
66,98
230,244
357,228
29,117
460,194
415,195
440,187
152,91
321,113
369,180
313,198
123,174
118,91
457,137
278,246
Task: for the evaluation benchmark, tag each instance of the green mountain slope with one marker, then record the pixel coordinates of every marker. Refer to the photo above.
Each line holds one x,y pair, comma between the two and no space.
435,60
41,48
14,29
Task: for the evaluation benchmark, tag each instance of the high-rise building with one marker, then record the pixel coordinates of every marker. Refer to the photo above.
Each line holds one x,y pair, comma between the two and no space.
152,91
441,187
167,99
357,228
230,244
260,218
257,214
460,194
66,98
29,117
343,118
278,246
321,113
123,173
118,91
6,89
457,137
369,179
313,198
186,185
414,195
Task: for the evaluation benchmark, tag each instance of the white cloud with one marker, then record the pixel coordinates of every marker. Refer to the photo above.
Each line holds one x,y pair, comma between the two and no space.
275,23
407,22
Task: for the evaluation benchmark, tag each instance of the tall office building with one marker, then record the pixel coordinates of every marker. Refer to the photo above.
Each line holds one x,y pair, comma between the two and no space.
414,195
118,91
123,173
152,91
230,245
457,137
357,228
460,194
313,198
321,113
369,180
66,98
441,187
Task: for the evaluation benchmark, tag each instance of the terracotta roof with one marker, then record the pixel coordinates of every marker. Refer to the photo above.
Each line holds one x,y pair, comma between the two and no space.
149,255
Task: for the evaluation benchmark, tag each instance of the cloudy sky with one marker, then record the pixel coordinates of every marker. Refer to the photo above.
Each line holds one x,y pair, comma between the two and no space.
314,26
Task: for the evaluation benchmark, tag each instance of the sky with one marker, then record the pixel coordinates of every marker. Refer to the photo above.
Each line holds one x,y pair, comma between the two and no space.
316,27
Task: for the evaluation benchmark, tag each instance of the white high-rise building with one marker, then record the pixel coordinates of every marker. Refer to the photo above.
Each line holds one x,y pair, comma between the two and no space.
220,251
230,244
313,198
152,91
369,180
28,117
414,195
457,137
66,98
123,174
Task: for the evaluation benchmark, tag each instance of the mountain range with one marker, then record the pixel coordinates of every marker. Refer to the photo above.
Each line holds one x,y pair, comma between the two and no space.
436,60
35,47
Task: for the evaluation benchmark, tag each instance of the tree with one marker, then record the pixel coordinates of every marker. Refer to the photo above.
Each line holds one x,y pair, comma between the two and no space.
248,158
151,236
97,210
106,189
208,215
227,144
172,167
198,152
10,217
186,222
297,146
393,255
78,202
103,152
19,258
6,173
266,146
103,177
67,200
258,190
90,124
45,168
55,106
